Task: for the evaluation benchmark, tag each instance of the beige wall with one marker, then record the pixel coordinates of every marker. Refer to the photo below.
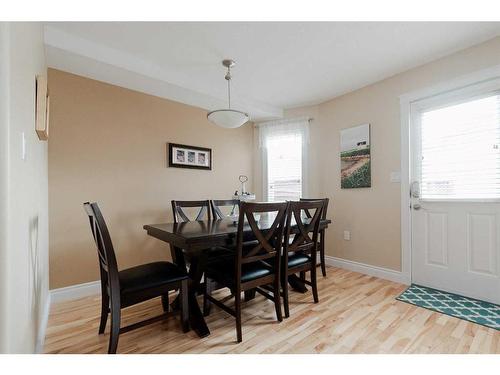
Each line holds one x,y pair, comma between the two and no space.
108,144
373,215
24,203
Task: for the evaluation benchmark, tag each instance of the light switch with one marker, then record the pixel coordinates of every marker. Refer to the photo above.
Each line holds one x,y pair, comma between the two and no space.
347,235
396,177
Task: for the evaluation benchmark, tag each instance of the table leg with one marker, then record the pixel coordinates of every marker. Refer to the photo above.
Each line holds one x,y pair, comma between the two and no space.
195,315
297,284
196,319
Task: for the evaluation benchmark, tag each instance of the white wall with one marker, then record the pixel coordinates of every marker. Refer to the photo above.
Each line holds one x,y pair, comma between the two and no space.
3,184
23,188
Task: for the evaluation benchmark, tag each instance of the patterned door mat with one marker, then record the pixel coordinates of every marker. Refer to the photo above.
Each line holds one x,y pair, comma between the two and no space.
485,313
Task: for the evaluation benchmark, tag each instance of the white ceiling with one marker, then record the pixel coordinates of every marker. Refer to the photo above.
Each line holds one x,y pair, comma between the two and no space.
279,65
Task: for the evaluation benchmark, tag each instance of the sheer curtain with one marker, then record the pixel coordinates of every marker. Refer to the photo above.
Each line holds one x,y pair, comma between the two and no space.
283,147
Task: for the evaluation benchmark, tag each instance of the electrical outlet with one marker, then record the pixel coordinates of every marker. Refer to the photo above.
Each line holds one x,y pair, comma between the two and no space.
347,235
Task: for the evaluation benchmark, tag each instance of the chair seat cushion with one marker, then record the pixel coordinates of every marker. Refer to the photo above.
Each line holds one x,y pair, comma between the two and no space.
298,259
217,254
148,276
223,271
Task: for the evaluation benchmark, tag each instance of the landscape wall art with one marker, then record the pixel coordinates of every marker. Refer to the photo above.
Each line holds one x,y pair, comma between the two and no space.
355,160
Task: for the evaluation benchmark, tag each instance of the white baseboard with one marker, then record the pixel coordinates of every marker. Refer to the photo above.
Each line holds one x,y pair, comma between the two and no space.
383,273
40,341
75,291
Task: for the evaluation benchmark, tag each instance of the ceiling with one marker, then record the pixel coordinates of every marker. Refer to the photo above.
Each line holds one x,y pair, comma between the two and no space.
279,65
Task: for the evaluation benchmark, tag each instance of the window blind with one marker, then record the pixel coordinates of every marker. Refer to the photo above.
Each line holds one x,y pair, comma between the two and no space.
284,166
460,149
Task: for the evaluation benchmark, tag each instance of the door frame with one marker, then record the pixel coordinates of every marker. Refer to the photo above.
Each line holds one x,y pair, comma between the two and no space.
405,101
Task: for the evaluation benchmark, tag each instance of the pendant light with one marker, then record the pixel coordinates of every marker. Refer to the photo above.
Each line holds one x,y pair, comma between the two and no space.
228,118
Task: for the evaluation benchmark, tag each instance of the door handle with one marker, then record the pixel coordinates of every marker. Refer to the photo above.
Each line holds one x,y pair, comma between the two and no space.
417,206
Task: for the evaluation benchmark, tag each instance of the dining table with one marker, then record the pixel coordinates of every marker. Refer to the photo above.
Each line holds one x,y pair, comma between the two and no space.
194,240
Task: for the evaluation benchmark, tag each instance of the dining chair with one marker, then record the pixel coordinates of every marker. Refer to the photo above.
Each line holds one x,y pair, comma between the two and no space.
204,213
254,265
181,216
120,289
216,205
300,246
322,238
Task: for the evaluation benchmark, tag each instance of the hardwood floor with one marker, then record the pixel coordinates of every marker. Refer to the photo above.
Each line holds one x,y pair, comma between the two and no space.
356,314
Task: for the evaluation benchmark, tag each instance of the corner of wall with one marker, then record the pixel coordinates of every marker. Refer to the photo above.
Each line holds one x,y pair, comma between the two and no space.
4,147
25,251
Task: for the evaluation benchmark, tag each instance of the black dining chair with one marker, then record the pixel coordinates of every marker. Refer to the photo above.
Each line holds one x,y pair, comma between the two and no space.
179,209
254,265
120,289
322,238
216,205
203,208
300,246
204,213
181,216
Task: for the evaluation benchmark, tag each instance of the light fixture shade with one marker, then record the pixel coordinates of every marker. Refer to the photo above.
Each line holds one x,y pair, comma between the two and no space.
227,118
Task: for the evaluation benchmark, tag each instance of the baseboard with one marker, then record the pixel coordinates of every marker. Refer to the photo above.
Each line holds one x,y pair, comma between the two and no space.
367,269
40,341
75,291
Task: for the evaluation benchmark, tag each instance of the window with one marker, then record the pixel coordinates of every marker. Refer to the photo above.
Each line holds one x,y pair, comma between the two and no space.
460,150
284,168
283,144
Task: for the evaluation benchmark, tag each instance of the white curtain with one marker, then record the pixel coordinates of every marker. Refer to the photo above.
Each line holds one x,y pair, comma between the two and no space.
286,127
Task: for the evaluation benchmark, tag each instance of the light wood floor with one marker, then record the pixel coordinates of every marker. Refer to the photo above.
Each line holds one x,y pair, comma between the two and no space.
356,314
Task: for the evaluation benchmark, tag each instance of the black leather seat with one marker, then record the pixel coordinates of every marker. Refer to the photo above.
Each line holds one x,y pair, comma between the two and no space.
223,271
216,254
298,259
148,276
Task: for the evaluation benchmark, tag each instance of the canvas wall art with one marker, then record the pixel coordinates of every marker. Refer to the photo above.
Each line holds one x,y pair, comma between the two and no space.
355,158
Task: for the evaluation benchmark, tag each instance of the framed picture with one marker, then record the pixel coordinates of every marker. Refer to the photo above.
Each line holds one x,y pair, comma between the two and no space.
355,158
184,156
42,105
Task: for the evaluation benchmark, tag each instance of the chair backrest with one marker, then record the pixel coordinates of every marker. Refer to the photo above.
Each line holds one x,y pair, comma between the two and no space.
218,203
303,237
180,215
325,205
269,239
105,251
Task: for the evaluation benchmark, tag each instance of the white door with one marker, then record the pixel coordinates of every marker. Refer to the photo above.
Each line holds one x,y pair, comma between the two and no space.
455,203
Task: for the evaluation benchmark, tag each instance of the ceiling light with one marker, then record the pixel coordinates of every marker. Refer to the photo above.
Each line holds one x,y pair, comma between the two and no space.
228,118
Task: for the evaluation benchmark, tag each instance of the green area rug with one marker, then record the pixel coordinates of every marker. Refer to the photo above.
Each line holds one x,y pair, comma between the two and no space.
485,313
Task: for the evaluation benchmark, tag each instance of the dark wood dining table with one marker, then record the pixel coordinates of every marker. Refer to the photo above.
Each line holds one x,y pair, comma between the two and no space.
193,240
